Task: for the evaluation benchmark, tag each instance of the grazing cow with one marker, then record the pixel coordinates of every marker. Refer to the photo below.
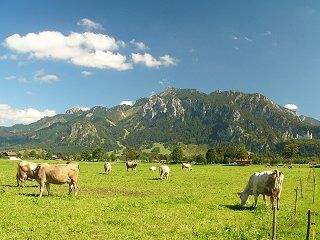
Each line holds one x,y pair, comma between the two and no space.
153,168
187,166
290,166
131,164
25,172
268,165
164,172
57,174
267,183
107,167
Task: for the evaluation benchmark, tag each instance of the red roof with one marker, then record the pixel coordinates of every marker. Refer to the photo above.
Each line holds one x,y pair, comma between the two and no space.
10,154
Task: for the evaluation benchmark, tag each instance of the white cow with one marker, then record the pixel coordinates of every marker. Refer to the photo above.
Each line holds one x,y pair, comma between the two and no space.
187,166
153,168
107,167
164,172
267,183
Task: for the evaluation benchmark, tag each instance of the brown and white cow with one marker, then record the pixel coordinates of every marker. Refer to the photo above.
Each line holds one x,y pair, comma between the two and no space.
131,164
267,183
46,174
25,172
107,167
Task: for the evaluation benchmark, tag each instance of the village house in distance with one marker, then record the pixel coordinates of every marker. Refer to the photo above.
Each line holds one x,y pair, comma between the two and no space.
11,155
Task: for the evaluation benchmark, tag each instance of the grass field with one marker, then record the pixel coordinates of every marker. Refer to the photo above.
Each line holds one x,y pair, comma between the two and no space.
201,204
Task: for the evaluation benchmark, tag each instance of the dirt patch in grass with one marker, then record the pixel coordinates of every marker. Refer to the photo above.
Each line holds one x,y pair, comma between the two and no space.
106,191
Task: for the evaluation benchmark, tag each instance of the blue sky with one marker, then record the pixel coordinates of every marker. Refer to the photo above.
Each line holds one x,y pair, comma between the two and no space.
58,54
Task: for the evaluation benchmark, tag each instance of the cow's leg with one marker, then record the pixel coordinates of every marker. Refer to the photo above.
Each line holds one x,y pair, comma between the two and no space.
70,187
75,185
264,199
48,188
255,194
41,188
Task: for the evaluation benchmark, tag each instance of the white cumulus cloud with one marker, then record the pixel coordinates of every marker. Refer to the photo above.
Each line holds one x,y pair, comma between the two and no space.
148,60
10,115
89,24
139,45
291,107
86,73
16,78
8,56
83,49
129,103
41,76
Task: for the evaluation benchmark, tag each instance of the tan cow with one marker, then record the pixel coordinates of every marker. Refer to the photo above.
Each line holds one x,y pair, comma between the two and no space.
267,183
131,164
25,172
187,166
45,174
164,172
107,167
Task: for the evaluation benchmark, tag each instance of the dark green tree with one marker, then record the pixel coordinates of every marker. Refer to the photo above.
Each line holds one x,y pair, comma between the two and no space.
33,154
290,150
177,154
113,156
200,159
48,156
211,155
98,153
132,154
85,155
241,153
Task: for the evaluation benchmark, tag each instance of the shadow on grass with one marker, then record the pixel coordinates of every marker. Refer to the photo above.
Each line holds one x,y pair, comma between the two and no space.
238,207
31,194
155,179
8,185
15,186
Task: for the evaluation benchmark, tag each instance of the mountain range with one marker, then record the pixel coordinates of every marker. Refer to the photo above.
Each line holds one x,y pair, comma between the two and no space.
172,116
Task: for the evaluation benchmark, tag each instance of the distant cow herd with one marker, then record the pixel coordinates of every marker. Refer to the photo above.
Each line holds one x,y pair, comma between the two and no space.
267,183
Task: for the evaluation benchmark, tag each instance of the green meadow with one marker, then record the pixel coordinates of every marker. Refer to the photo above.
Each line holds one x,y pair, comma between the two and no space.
200,204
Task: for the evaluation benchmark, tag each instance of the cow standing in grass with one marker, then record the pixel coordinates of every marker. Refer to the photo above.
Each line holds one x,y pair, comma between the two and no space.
267,183
45,174
131,164
164,172
107,168
25,172
186,166
153,168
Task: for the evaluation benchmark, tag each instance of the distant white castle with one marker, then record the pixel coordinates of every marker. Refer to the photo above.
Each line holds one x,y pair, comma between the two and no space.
305,136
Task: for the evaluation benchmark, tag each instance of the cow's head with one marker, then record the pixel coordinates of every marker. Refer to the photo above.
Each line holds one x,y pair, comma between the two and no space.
243,198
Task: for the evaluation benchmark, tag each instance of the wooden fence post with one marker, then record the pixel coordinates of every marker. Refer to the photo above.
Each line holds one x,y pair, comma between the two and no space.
308,225
274,224
313,224
296,200
314,189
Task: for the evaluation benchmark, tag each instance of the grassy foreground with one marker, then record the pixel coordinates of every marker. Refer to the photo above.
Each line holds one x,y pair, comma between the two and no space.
201,204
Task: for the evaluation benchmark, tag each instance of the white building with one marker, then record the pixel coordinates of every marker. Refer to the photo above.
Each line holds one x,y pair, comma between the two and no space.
305,136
